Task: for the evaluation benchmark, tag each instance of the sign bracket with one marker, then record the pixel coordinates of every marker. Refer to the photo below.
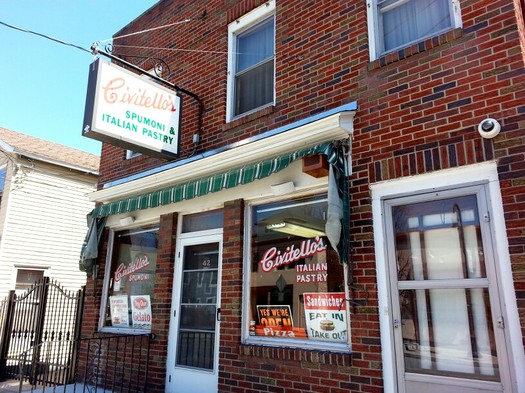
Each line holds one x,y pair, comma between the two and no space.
179,89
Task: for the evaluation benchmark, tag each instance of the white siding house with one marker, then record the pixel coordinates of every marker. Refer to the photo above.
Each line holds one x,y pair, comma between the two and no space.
43,210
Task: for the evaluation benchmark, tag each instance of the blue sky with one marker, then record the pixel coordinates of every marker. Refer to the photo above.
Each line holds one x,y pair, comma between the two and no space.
43,83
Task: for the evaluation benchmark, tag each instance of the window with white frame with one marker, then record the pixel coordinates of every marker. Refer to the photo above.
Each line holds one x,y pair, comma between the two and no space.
251,61
130,279
295,289
394,24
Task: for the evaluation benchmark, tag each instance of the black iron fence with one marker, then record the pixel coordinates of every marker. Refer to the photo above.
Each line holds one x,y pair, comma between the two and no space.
117,364
45,313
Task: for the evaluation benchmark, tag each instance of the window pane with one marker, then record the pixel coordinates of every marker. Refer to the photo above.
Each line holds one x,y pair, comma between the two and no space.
255,46
202,221
254,69
410,21
132,278
296,280
25,278
449,332
254,88
3,173
439,240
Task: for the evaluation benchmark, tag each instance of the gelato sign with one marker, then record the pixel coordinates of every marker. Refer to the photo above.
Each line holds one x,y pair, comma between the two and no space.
131,111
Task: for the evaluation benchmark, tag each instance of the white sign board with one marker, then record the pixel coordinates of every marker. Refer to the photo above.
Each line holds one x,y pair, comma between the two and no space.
131,111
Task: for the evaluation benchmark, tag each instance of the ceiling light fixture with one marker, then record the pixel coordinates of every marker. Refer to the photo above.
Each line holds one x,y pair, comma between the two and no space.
297,230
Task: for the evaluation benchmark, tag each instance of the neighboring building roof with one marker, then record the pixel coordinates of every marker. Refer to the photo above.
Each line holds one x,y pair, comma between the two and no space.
29,146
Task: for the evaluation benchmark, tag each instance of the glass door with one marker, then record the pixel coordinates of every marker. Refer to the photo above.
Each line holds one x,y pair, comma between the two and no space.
195,316
449,333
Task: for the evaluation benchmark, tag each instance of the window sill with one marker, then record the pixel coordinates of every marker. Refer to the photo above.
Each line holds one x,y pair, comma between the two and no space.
126,331
318,356
414,49
268,110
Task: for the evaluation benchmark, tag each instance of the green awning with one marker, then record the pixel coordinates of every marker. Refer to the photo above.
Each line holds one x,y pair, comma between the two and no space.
213,183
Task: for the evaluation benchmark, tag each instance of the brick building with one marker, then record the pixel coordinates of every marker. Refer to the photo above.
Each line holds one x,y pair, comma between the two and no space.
344,210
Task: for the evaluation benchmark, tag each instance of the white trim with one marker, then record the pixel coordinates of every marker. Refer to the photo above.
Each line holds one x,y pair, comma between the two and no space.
235,28
333,127
484,172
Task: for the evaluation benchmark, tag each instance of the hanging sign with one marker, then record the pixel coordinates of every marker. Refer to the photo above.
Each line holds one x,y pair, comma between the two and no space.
131,111
325,315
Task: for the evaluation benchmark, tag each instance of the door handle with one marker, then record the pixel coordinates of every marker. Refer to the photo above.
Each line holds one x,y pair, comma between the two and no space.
218,314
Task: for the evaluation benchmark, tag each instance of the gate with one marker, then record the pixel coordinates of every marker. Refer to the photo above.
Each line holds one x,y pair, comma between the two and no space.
45,313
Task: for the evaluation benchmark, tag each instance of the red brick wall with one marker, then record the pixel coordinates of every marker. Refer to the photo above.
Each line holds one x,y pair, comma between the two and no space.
161,303
418,111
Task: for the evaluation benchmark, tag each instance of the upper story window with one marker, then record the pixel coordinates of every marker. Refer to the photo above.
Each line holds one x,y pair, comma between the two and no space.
394,24
294,283
251,62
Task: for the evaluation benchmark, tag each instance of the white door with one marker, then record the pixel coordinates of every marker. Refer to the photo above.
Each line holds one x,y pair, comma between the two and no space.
194,328
449,332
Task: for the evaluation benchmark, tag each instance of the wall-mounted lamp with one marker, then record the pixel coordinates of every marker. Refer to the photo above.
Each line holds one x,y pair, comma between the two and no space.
128,220
294,229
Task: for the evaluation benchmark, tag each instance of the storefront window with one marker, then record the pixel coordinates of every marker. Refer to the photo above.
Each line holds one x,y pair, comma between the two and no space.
296,286
131,279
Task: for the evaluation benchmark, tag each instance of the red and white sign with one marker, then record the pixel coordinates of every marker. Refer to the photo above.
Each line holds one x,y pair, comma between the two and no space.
325,315
273,257
141,311
131,111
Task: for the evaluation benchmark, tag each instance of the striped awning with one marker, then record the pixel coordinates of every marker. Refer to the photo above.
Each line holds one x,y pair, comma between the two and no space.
213,183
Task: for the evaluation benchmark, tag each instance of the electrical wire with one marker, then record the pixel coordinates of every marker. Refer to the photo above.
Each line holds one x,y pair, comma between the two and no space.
176,49
147,30
44,36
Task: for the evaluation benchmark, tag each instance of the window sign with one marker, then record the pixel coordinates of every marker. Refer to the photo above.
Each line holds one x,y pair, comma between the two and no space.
131,279
141,311
326,316
118,306
296,282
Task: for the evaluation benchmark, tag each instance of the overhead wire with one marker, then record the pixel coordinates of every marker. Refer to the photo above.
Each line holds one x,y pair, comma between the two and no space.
146,30
45,36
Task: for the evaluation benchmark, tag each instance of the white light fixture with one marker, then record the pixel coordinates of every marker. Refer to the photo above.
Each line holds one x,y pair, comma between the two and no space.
297,230
283,188
128,220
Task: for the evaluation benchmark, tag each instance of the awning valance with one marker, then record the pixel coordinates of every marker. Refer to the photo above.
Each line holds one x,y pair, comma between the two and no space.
213,183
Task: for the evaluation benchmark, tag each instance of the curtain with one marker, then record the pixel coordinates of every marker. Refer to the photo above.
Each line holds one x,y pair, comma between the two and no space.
410,21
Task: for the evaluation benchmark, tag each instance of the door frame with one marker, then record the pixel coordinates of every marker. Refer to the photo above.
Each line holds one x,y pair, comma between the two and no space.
485,173
187,239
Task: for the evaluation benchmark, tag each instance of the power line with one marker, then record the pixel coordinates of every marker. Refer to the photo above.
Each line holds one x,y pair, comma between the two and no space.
44,36
147,30
176,49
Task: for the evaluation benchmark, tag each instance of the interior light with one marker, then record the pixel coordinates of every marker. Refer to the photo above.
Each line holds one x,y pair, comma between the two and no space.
294,229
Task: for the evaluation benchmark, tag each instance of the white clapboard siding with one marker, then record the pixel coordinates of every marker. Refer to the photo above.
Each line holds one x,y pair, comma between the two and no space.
46,222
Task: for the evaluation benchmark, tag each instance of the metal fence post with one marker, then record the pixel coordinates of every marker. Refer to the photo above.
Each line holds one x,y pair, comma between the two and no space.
7,329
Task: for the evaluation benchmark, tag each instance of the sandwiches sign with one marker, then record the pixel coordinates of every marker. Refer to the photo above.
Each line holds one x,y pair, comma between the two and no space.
131,111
